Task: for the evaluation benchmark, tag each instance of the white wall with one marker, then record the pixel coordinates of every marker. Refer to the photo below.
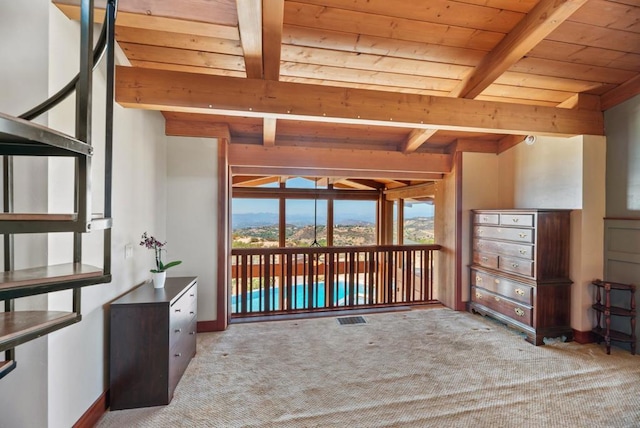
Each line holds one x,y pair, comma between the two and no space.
564,174
23,84
479,191
61,375
192,215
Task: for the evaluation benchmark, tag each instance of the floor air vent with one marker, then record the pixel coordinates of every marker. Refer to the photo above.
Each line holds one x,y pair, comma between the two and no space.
351,320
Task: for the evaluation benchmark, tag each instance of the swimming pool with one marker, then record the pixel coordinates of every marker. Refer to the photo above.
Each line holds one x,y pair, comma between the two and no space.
299,298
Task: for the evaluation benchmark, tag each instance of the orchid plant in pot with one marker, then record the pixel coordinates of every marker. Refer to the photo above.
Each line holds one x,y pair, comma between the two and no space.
160,271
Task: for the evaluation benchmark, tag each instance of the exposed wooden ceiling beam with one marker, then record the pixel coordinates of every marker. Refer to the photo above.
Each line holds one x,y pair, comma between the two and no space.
193,128
362,184
509,141
250,25
252,181
269,131
140,19
380,161
272,24
411,192
195,93
627,90
545,17
582,101
416,138
330,172
477,146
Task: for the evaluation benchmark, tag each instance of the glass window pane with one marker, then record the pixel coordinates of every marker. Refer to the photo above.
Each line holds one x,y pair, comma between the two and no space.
299,216
354,223
418,222
254,223
305,183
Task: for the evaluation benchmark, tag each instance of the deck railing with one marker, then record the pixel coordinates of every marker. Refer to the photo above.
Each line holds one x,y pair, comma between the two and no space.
290,280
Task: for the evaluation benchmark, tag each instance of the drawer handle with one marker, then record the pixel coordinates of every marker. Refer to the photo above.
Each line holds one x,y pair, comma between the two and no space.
484,259
519,312
522,235
497,281
178,310
192,333
478,279
191,312
520,291
523,251
497,298
485,218
191,295
478,296
479,231
514,265
515,220
179,354
177,330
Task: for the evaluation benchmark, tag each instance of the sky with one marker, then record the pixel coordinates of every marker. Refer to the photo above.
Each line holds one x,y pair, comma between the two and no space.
352,209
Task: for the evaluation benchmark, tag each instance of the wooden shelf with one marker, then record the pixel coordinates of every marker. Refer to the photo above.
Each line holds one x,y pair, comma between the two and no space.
21,137
615,335
614,310
22,326
25,282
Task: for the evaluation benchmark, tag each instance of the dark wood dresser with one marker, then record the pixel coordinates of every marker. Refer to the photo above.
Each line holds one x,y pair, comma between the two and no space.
520,270
153,338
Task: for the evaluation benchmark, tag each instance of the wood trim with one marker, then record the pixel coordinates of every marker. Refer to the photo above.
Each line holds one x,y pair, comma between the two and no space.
333,172
459,304
583,337
93,414
222,275
208,326
623,218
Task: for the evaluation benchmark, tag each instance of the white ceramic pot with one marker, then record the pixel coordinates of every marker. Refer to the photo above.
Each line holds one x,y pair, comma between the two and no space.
158,279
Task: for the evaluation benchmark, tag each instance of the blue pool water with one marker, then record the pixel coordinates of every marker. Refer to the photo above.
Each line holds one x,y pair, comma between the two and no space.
299,298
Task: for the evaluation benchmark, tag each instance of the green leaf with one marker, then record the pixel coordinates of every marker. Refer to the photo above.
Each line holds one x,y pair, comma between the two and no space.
171,264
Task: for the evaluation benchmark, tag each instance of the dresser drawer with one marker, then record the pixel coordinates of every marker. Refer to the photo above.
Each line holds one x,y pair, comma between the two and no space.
485,259
524,220
508,233
503,248
514,310
515,265
511,289
180,354
486,219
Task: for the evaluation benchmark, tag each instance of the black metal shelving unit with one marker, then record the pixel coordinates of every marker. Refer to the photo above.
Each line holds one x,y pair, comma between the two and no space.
19,136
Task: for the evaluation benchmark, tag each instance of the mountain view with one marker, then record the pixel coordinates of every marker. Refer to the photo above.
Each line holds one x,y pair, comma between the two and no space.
260,230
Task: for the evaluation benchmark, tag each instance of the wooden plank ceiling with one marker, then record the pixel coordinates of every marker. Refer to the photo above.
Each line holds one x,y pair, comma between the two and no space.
360,81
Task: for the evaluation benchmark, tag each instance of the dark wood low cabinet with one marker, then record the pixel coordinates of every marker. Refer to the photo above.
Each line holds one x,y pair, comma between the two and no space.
152,338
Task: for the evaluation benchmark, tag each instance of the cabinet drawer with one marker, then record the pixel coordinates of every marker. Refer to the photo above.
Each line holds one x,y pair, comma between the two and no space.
524,220
485,259
511,289
515,265
514,310
508,233
503,248
180,354
486,219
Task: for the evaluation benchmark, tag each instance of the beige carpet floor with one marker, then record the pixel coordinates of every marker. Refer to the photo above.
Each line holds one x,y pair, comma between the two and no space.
420,368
